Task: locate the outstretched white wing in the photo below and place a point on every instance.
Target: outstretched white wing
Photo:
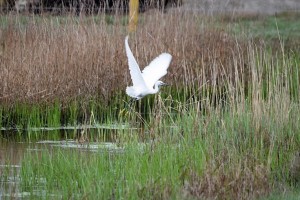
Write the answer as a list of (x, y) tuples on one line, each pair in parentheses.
[(156, 69), (135, 72)]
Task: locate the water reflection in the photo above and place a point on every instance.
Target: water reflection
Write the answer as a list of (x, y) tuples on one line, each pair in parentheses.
[(11, 152)]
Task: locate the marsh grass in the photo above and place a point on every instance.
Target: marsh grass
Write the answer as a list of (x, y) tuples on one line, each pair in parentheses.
[(224, 154), (74, 66), (49, 60), (236, 147), (226, 128)]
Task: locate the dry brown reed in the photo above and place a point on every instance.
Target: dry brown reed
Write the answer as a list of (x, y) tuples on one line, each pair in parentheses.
[(238, 182), (47, 59)]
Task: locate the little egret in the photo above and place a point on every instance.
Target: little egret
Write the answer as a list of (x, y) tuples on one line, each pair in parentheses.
[(146, 82)]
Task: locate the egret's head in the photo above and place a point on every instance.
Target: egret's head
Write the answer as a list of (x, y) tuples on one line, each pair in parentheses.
[(160, 83), (157, 86)]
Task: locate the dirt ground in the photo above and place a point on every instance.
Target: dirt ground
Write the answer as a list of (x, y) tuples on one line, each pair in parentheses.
[(245, 6)]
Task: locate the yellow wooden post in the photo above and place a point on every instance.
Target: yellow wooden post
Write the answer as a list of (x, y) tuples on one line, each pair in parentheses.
[(133, 15)]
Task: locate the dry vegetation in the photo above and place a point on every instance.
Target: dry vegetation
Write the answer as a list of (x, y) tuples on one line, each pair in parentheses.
[(63, 59)]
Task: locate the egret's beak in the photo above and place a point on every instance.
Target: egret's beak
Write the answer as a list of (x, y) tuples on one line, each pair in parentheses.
[(165, 84)]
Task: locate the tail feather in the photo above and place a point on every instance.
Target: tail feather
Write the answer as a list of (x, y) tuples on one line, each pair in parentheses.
[(130, 91)]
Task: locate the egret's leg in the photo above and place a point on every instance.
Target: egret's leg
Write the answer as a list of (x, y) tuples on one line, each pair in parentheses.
[(131, 101)]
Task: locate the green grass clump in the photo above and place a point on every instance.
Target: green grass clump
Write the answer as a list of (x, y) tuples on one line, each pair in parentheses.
[(139, 172)]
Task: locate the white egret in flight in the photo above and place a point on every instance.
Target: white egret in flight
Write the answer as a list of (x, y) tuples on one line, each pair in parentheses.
[(147, 81)]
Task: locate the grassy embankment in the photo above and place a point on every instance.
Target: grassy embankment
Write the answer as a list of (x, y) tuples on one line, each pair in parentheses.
[(228, 126)]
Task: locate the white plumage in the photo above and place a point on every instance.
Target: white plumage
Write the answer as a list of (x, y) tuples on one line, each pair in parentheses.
[(146, 82)]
